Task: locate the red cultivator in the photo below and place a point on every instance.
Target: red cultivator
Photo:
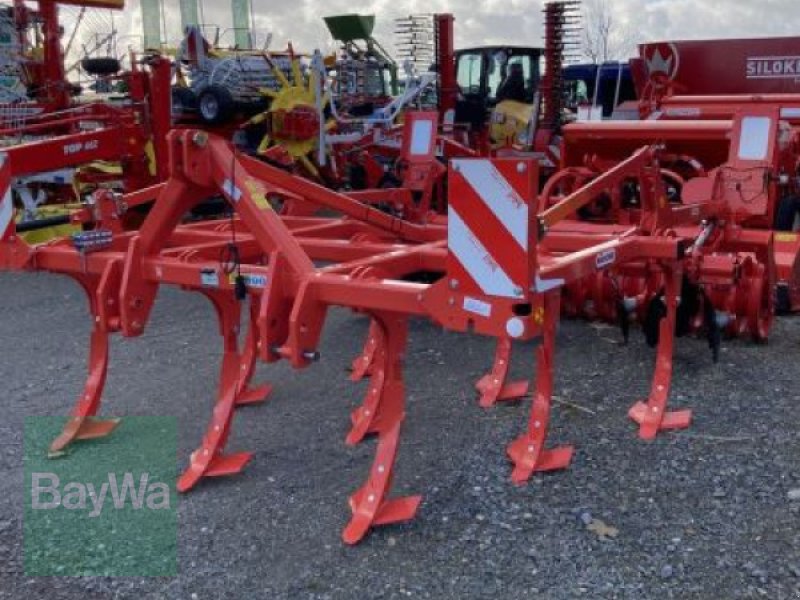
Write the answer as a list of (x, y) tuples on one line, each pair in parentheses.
[(498, 267)]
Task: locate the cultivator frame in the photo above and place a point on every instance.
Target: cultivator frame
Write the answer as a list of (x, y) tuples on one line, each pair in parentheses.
[(373, 266)]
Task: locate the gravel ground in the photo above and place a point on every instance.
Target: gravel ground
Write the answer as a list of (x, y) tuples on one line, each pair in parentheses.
[(705, 513)]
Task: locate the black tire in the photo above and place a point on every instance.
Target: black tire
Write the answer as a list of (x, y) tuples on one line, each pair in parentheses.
[(184, 102), (215, 105), (102, 66), (788, 210)]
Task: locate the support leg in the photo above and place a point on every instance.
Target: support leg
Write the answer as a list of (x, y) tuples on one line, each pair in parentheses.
[(493, 387), (370, 503), (528, 452), (208, 460), (652, 416)]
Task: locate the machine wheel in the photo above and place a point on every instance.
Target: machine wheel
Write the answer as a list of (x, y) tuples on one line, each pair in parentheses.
[(101, 66), (215, 104), (184, 101), (787, 213)]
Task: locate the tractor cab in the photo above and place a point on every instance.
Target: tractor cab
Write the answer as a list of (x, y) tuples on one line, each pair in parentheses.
[(490, 75), (602, 88)]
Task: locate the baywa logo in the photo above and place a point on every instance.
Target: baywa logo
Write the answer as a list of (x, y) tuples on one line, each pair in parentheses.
[(84, 496), (107, 507)]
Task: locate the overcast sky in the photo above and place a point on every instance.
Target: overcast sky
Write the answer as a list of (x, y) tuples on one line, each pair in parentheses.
[(492, 21)]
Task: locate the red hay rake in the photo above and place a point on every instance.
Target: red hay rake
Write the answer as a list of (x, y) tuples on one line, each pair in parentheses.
[(498, 268)]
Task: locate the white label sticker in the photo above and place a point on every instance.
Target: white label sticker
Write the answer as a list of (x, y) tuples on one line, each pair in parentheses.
[(250, 280), (230, 190), (606, 258), (478, 307), (209, 278)]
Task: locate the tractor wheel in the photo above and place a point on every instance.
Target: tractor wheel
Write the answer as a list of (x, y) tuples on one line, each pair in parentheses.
[(101, 66), (215, 104), (787, 213), (184, 102)]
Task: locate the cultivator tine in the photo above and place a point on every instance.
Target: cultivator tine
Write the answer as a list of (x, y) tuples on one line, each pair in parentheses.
[(362, 365), (82, 424), (364, 417), (493, 386), (528, 452), (245, 393), (369, 504), (208, 460), (653, 416)]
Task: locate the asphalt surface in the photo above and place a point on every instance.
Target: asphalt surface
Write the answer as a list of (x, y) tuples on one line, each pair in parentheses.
[(706, 513)]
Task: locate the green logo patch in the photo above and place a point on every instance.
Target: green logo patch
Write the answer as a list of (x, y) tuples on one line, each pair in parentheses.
[(106, 507)]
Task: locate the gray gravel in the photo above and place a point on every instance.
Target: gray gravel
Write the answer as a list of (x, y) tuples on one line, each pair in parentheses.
[(709, 513)]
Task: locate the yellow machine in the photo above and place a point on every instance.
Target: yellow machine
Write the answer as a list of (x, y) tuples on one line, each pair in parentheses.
[(292, 119)]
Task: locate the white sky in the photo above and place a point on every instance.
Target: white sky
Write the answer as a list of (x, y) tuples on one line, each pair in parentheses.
[(493, 21)]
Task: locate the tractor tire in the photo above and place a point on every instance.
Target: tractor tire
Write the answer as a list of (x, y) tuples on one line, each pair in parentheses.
[(184, 102), (787, 213), (101, 67), (215, 104)]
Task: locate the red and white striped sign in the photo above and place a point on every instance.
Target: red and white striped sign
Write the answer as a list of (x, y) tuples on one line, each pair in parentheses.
[(489, 231), (6, 200)]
